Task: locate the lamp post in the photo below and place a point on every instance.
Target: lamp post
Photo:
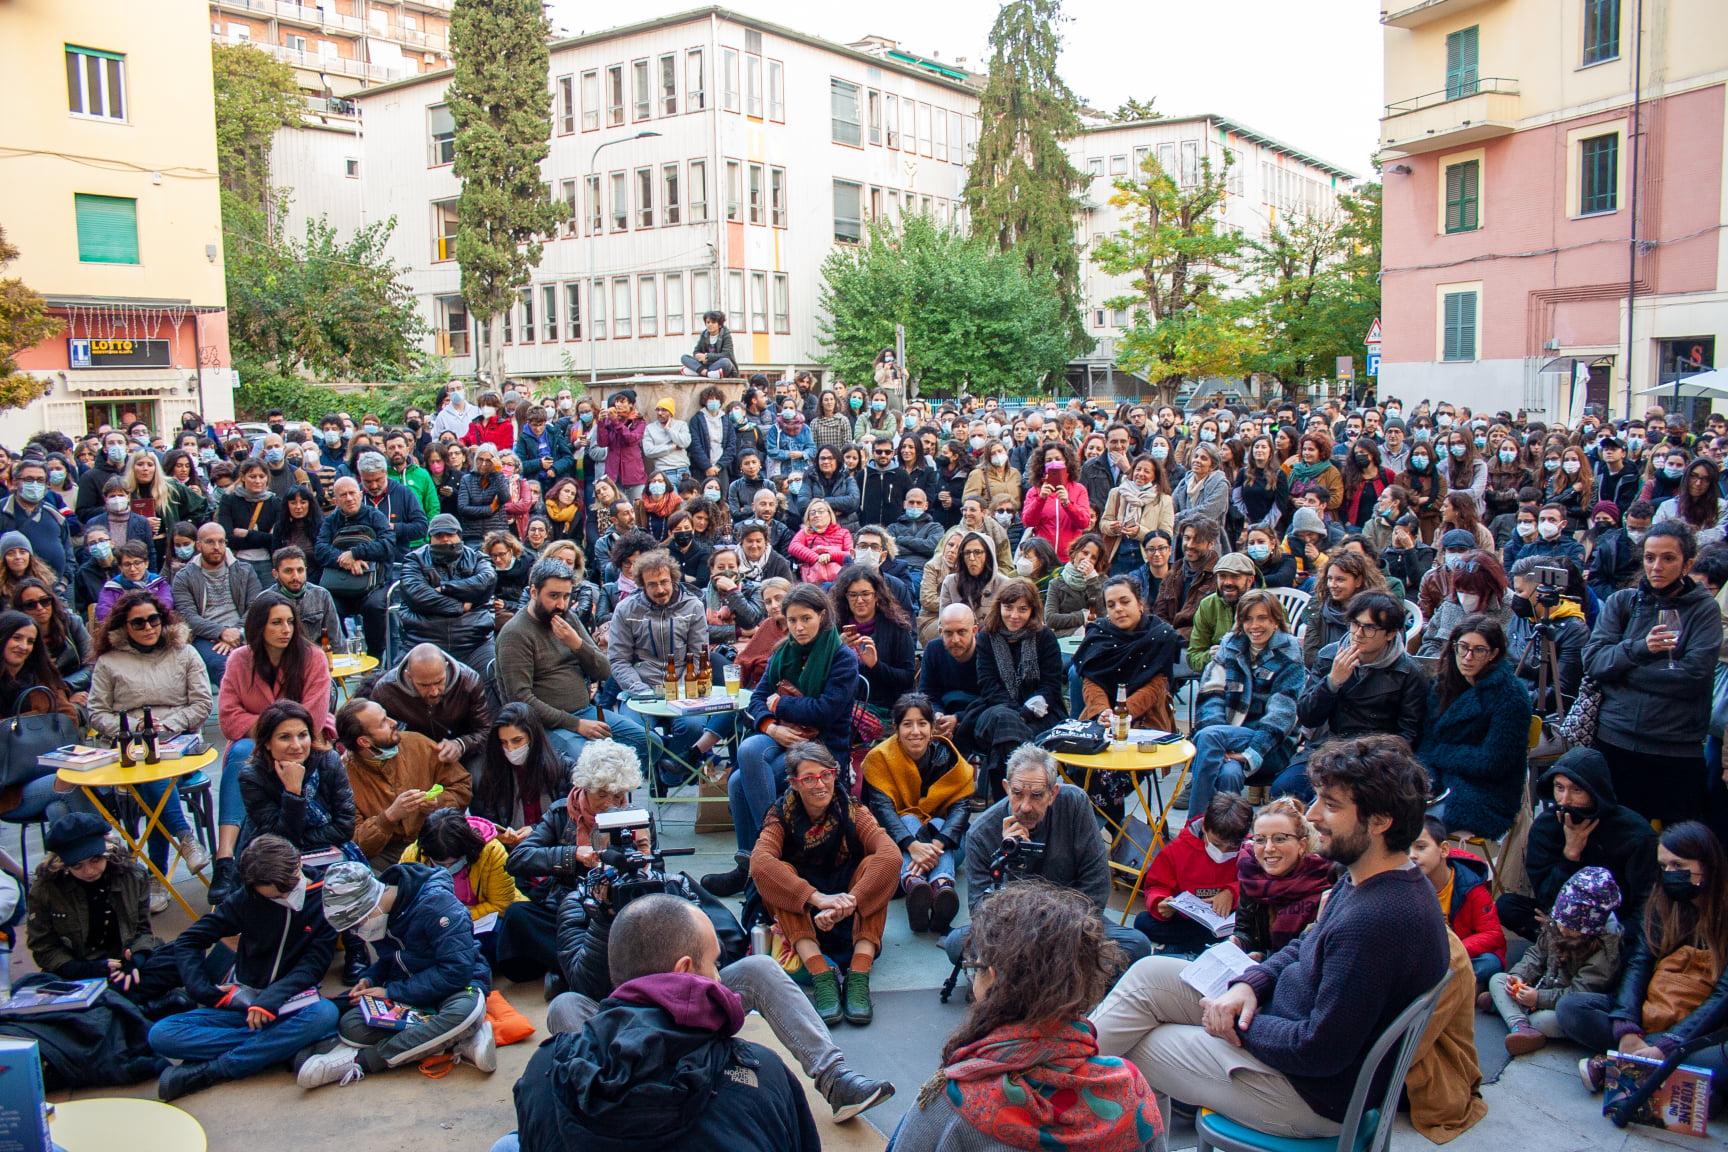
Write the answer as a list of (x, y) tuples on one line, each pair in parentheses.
[(593, 371)]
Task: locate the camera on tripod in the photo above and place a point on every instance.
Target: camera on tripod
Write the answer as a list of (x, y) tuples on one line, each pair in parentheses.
[(1552, 582), (626, 871)]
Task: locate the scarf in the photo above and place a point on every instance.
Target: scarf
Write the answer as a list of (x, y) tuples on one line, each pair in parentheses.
[(1110, 656), (1015, 676), (1307, 472), (824, 848), (563, 513), (1195, 483), (662, 505), (1045, 1089), (805, 665), (752, 569), (249, 496), (1293, 899), (897, 776)]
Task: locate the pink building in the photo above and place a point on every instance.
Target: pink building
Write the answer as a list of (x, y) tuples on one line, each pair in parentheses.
[(1508, 147)]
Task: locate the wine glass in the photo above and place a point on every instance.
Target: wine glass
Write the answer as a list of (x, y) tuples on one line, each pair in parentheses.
[(1669, 618)]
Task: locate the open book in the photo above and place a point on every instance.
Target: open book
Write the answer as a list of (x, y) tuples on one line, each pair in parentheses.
[(1214, 970), (1200, 911)]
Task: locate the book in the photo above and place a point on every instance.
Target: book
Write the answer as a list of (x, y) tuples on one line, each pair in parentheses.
[(703, 705), (186, 744), (1214, 970), (295, 1003), (379, 1012), (52, 996), (23, 1104), (486, 923), (80, 757), (1682, 1104), (1200, 911), (322, 858)]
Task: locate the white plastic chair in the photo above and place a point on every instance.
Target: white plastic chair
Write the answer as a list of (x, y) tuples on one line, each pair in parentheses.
[(1294, 600)]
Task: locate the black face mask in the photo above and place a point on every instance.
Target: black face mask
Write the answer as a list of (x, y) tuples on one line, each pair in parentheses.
[(445, 553), (1677, 885), (683, 539), (1523, 608), (1577, 815)]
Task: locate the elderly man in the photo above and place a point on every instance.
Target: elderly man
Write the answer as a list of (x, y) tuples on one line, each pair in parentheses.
[(664, 618), (283, 475), (447, 595), (1236, 573), (949, 677), (320, 623), (1040, 808), (211, 596), (548, 661), (355, 547), (443, 700), (393, 772), (390, 499), (26, 510), (398, 449)]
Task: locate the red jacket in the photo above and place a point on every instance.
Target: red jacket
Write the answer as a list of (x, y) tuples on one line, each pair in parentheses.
[(1184, 866), (1055, 521), (1472, 915), (500, 432)]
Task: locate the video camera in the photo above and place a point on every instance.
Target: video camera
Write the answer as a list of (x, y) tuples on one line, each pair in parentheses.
[(1018, 853), (1552, 582), (626, 871)]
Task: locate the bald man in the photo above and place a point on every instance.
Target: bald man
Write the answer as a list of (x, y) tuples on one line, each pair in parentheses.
[(211, 596), (949, 676), (444, 700)]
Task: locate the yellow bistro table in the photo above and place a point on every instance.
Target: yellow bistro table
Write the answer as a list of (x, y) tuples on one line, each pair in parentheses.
[(1145, 770), (345, 668), (114, 776), (107, 1124), (656, 710)]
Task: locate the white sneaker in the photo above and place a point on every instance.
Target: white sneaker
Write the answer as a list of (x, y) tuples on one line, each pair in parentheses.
[(340, 1065), (714, 374), (158, 897), (192, 852), (689, 372), (477, 1048)]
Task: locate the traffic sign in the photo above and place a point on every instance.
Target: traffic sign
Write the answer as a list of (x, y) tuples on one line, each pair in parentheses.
[(1374, 361), (1373, 336)]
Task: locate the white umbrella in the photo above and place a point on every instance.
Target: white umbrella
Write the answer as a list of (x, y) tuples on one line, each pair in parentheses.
[(1713, 383)]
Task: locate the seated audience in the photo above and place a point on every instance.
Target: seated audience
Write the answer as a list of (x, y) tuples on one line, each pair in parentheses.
[(1462, 880), (1475, 742), (662, 619), (1235, 574), (519, 774), (64, 638), (821, 547), (1020, 680), (1477, 586), (753, 657), (474, 857), (874, 624), (919, 788), (1578, 950), (396, 777), (1566, 629), (1128, 649), (1280, 880), (974, 579), (1192, 579), (320, 623), (948, 678), (440, 698), (1200, 861), (1076, 590), (211, 596), (447, 592), (134, 573), (295, 786), (1326, 619), (731, 602), (1245, 723)]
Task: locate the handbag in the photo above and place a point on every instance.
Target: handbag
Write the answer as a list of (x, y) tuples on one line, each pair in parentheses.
[(337, 580), (1579, 727), (1681, 982), (25, 739), (1076, 738)]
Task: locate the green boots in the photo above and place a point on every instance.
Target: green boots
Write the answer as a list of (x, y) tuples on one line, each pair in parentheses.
[(826, 990)]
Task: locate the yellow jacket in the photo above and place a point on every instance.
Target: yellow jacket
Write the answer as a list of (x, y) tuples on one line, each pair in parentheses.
[(493, 889)]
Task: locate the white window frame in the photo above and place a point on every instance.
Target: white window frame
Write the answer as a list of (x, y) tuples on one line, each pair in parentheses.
[(695, 81), (621, 292), (549, 312), (672, 301), (698, 192), (758, 301), (614, 95), (597, 308), (778, 213), (669, 199), (891, 120), (669, 84), (757, 195), (591, 100), (572, 223), (735, 191), (573, 310), (777, 91), (645, 197), (733, 99), (647, 305), (735, 294), (701, 292), (838, 91), (782, 304), (620, 201), (753, 86), (641, 91), (566, 105)]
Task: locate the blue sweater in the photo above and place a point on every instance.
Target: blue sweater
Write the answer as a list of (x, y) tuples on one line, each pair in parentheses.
[(830, 713), (1478, 748)]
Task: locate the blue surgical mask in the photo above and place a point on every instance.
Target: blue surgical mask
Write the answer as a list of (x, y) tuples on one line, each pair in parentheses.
[(1457, 449), (1420, 434), (208, 455), (794, 486), (33, 491), (1554, 466), (857, 402), (1208, 435), (371, 429), (1481, 442), (383, 754), (657, 488), (713, 407), (878, 405), (333, 437), (102, 550), (56, 476), (1672, 472), (914, 513), (1419, 461), (1259, 553), (1508, 455), (184, 551), (1159, 453), (587, 417), (116, 453), (274, 456), (737, 415)]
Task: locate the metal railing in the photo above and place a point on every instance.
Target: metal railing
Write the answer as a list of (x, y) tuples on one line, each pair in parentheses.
[(301, 13), (315, 62), (1494, 84), (333, 106)]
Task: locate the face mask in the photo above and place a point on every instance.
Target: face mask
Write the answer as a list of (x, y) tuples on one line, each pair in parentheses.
[(657, 488), (683, 539), (1363, 462), (372, 930), (102, 550), (116, 453), (1004, 518), (1633, 443), (57, 476), (711, 493), (1672, 472), (713, 407), (857, 402), (1218, 855), (1025, 565), (1637, 535), (1677, 885), (184, 551), (1455, 560), (999, 459), (333, 438), (878, 405), (914, 513), (1418, 461), (296, 899), (1394, 413), (486, 413), (1443, 420), (868, 557), (992, 430), (1208, 435), (1508, 455), (1570, 467), (1602, 526), (587, 417), (274, 456), (794, 486), (117, 504), (1159, 453), (1526, 529), (737, 415), (519, 754), (445, 553), (1469, 601), (33, 491), (1457, 450), (1420, 434), (1547, 529), (1481, 442), (1551, 465), (383, 754), (977, 443)]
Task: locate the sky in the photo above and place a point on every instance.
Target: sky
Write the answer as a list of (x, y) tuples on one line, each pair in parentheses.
[(1307, 72)]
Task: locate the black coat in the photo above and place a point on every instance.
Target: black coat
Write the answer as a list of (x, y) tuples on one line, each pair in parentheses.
[(1392, 700), (896, 656), (270, 808), (433, 595), (704, 455), (882, 495), (281, 952), (1052, 685), (1622, 842)]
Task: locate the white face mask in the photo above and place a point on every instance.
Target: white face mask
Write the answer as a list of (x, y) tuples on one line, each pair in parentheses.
[(519, 754), (998, 459), (1469, 601), (868, 557), (1217, 854), (1548, 529), (118, 504), (1025, 565), (488, 412), (296, 899), (372, 929), (1526, 529)]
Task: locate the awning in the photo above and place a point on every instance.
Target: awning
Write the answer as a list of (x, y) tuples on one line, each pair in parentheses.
[(1568, 365), (1712, 384)]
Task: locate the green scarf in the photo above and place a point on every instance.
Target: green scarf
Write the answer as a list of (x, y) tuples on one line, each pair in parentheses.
[(1302, 471), (805, 665)]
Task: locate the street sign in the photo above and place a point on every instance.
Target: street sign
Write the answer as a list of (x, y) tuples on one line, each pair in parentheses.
[(1374, 361), (117, 353), (1346, 368), (1373, 336)]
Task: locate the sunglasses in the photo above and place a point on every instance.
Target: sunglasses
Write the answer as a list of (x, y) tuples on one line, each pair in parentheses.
[(32, 605), (154, 620)]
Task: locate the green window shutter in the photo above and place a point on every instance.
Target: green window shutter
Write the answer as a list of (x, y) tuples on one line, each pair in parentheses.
[(1461, 197), (1461, 71), (107, 229), (1459, 320)]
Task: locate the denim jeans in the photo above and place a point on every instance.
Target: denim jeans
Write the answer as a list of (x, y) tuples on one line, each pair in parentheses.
[(944, 864), (220, 1037), (1213, 770), (714, 363), (764, 988), (754, 786), (625, 730), (41, 802), (230, 809), (214, 662)]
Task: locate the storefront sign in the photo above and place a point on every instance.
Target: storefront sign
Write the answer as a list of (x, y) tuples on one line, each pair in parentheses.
[(120, 352)]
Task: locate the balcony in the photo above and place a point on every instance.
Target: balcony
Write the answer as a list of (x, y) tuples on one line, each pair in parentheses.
[(333, 106), (1450, 118), (1414, 15), (432, 5), (302, 14), (314, 62)]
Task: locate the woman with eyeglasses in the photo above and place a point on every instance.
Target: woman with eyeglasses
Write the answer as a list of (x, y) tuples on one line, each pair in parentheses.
[(873, 623), (63, 635), (1476, 739), (1282, 880), (1698, 503), (145, 659), (826, 871)]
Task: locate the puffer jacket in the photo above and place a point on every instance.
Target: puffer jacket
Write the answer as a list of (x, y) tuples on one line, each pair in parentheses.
[(1065, 604), (806, 547), (480, 505), (433, 595), (1645, 705), (916, 537), (270, 808), (173, 683), (428, 952), (57, 924), (840, 491), (1234, 689), (643, 635)]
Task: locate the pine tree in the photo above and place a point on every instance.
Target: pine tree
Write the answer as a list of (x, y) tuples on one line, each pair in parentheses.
[(502, 108), (1023, 191)]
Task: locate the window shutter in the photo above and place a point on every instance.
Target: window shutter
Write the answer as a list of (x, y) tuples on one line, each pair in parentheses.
[(1467, 195), (1449, 349), (1461, 63), (1466, 325), (1454, 193), (107, 229)]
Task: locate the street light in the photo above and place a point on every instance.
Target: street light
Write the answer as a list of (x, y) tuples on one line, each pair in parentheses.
[(593, 371)]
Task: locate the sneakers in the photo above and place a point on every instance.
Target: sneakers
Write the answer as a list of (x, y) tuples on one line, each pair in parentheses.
[(340, 1065), (192, 852), (224, 881), (1484, 1002), (1523, 1040), (1593, 1070), (713, 373), (944, 908), (826, 989), (918, 900), (729, 883), (859, 1009), (848, 1094), (688, 372), (179, 1080), (158, 897), (478, 1048)]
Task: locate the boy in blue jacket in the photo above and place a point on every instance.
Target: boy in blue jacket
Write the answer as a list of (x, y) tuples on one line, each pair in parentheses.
[(424, 957)]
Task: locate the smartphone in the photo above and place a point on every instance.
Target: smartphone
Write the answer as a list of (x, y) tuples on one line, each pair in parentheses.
[(59, 988)]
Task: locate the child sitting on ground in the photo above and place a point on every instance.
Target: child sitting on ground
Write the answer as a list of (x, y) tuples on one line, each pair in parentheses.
[(1201, 860), (1578, 950), (1462, 883)]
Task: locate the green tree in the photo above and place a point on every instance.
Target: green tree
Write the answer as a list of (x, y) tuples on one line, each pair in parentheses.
[(970, 311), (255, 95), (502, 107), (24, 323), (1131, 110), (1178, 254), (1023, 191), (322, 305)]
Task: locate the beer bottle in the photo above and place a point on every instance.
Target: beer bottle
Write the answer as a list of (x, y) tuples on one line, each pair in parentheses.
[(671, 677), (689, 676), (147, 734), (1121, 713), (704, 674), (124, 743)]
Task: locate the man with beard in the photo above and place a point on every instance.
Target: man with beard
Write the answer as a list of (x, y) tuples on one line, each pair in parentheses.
[(1280, 1050), (393, 772), (1236, 574)]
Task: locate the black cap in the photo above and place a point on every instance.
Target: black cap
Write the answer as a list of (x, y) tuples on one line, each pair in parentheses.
[(76, 837)]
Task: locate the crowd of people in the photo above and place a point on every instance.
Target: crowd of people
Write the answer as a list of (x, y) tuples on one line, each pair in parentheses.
[(1383, 620)]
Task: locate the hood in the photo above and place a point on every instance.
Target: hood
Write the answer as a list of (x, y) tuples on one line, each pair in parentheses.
[(120, 641), (410, 880), (644, 1069), (1468, 873), (1586, 768)]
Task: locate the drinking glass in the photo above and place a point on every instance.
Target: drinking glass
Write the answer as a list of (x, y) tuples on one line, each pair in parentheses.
[(1669, 618), (734, 679)]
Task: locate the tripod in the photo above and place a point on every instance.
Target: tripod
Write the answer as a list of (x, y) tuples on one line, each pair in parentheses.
[(1002, 868), (1547, 667)]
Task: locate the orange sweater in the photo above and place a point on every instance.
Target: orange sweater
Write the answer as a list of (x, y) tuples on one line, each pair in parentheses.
[(376, 785), (872, 884)]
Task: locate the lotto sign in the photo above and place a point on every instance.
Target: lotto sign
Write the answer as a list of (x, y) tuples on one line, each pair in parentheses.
[(122, 352)]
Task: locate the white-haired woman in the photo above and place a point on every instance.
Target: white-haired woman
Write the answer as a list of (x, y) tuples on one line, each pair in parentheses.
[(481, 498), (557, 854)]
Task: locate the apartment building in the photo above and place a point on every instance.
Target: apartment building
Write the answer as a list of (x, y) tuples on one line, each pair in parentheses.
[(1268, 182), (1553, 200), (338, 47), (108, 187), (709, 161)]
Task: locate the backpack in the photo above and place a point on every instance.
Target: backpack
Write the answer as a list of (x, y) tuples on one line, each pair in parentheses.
[(337, 579)]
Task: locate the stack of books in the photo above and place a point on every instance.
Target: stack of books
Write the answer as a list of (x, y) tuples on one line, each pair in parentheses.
[(702, 705), (80, 757), (52, 996)]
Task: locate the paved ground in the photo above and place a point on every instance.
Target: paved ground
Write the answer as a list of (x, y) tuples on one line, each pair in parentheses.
[(1538, 1105)]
